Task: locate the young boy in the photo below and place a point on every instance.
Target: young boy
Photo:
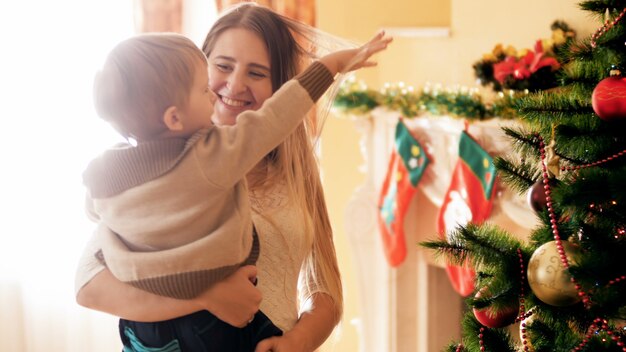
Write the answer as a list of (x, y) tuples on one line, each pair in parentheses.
[(173, 211)]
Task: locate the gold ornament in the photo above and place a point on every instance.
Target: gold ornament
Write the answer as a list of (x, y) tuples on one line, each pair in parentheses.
[(552, 160), (547, 277)]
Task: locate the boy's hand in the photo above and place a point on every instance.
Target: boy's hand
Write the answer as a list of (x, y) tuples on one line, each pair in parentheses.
[(234, 300), (354, 59)]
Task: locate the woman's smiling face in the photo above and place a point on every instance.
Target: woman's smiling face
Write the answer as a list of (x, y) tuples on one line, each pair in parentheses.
[(239, 73)]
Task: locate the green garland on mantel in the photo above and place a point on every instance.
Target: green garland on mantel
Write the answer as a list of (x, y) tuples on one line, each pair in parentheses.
[(355, 98)]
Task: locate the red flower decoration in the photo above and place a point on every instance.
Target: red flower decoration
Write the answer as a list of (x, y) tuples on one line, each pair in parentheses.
[(525, 66)]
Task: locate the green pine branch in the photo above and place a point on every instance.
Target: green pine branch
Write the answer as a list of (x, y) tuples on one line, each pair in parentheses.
[(588, 206), (518, 177), (563, 105), (599, 7), (523, 141)]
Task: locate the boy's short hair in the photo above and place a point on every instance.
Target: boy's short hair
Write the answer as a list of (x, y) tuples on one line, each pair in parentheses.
[(143, 76)]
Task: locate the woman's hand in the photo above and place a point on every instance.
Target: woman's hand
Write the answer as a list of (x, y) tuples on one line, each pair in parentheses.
[(310, 332), (354, 59), (289, 342), (234, 300)]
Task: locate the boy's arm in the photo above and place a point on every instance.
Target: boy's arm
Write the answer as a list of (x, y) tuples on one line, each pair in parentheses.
[(228, 153), (232, 151)]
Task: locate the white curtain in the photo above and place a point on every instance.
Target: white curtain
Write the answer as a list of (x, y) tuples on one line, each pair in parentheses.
[(48, 132)]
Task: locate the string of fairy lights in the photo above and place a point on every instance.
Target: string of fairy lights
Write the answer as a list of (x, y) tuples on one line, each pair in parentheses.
[(356, 98)]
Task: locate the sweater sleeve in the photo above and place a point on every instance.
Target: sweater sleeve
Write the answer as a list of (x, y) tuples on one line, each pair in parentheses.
[(228, 153), (88, 264), (316, 79)]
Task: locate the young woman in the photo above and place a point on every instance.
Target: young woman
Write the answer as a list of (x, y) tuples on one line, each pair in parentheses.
[(252, 52)]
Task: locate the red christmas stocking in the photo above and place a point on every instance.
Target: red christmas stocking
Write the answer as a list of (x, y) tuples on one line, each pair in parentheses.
[(406, 167), (468, 199)]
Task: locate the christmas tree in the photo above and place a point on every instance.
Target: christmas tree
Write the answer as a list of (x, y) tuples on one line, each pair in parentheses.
[(565, 286)]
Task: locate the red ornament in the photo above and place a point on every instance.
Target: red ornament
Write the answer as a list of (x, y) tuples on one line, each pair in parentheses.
[(537, 197), (609, 97), (492, 319)]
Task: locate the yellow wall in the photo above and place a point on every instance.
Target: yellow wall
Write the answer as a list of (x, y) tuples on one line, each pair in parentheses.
[(358, 20), (475, 27)]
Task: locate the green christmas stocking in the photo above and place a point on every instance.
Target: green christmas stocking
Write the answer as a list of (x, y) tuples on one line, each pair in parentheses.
[(406, 167), (468, 199)]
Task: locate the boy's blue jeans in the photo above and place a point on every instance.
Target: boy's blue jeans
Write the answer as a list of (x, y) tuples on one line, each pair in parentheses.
[(196, 332)]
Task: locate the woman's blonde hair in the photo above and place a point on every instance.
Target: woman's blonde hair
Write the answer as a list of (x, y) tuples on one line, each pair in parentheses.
[(143, 76), (293, 162)]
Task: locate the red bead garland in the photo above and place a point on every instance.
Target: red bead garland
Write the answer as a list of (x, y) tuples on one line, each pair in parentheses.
[(617, 280), (555, 230), (607, 25), (522, 307), (594, 329), (481, 342), (595, 163), (585, 298)]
